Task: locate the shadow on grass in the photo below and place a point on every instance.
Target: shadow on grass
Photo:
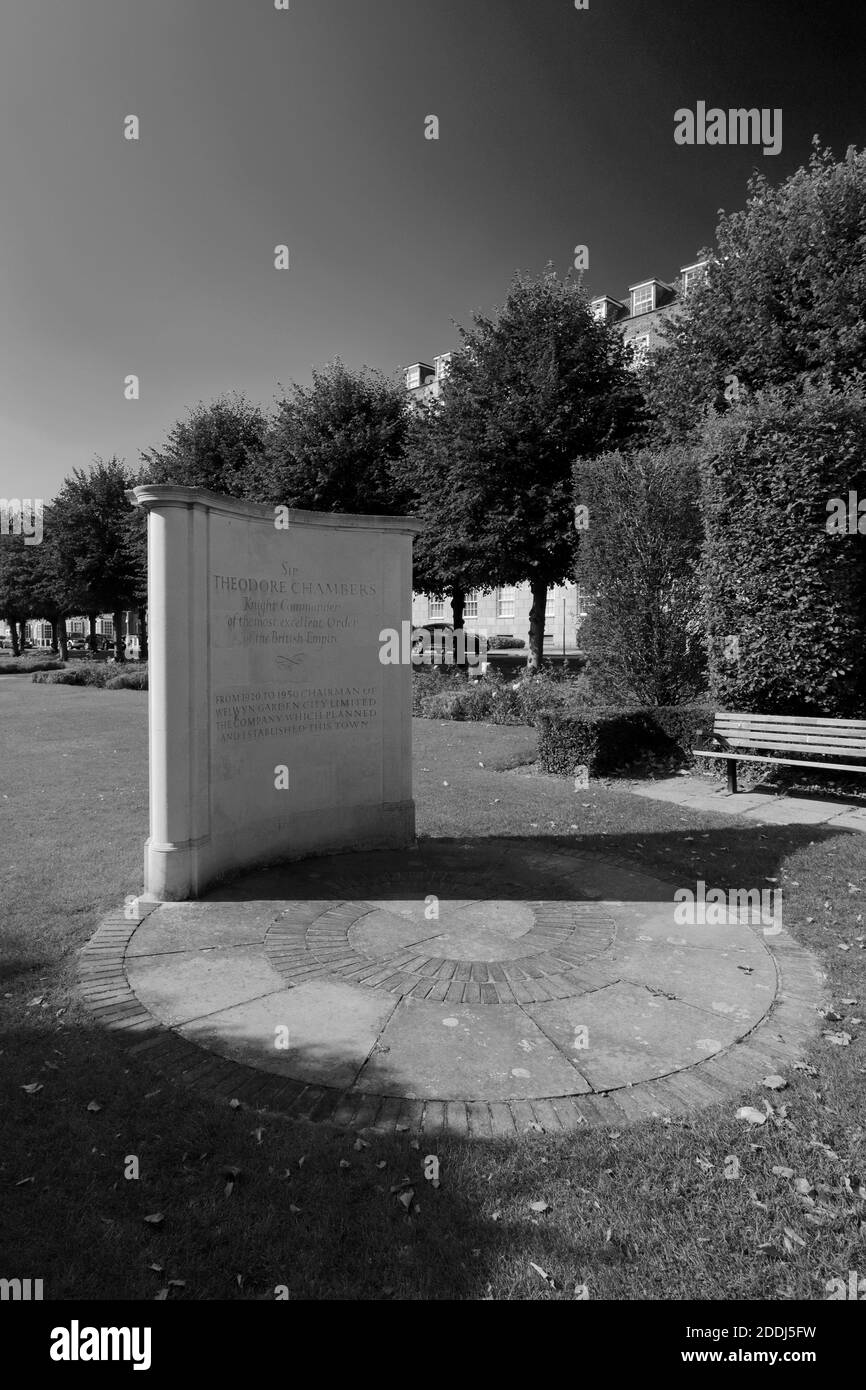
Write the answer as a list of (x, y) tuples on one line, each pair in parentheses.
[(632, 1215), (542, 866)]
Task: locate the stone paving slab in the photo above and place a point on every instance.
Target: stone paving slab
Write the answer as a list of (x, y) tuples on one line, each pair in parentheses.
[(465, 1024), (469, 1053), (184, 985), (332, 1029), (200, 925), (773, 808), (743, 990), (633, 1035)]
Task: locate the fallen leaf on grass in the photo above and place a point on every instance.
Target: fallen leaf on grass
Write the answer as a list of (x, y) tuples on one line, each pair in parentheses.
[(581, 1292), (22, 1182), (790, 1239), (32, 1087), (754, 1117), (775, 1082), (406, 1198), (543, 1274), (539, 1206), (156, 1218), (784, 1172), (344, 1163), (838, 1039), (94, 1107)]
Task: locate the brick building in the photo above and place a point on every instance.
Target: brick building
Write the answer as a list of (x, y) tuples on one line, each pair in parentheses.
[(638, 316)]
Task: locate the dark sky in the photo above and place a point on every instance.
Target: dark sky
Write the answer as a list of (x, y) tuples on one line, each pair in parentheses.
[(307, 127)]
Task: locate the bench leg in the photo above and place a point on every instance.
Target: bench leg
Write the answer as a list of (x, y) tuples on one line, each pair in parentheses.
[(732, 776)]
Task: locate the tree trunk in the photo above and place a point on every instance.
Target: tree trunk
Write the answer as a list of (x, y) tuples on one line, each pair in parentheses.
[(119, 638), (91, 637), (64, 647), (22, 635), (55, 630), (13, 633), (536, 624), (458, 603), (142, 632)]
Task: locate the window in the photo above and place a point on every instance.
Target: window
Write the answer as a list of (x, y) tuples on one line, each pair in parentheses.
[(505, 602), (470, 608), (435, 609), (693, 276), (550, 610), (413, 378), (599, 308), (441, 365), (581, 601), (643, 299)]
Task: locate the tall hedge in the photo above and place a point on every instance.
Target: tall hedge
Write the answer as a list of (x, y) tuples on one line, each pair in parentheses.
[(785, 598)]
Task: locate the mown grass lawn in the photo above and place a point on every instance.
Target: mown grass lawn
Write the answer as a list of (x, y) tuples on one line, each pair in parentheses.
[(645, 1213)]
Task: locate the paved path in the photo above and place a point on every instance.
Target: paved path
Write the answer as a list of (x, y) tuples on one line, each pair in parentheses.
[(480, 991), (770, 808)]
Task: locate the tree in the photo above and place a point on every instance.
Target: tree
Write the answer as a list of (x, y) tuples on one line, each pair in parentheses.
[(99, 544), (639, 559), (217, 447), (49, 595), (335, 446), (531, 390), (784, 298), (443, 566), (17, 565)]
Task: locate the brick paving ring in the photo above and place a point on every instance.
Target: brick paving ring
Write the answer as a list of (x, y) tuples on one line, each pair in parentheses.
[(437, 991)]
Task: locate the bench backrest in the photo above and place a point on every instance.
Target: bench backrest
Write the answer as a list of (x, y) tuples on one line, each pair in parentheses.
[(790, 733)]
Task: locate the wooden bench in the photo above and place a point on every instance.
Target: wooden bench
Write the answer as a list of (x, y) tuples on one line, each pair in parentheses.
[(833, 739)]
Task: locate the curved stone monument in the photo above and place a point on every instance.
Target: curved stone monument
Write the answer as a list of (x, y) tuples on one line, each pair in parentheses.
[(275, 730)]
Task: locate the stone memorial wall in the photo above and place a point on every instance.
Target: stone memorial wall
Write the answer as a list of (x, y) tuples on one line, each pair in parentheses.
[(275, 729)]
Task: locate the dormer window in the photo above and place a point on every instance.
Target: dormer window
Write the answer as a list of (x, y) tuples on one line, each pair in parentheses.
[(605, 309), (693, 276), (417, 375), (643, 297), (441, 365)]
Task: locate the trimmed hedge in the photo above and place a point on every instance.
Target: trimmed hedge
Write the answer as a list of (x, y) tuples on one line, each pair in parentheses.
[(99, 675), (777, 576), (613, 737), (24, 665), (499, 642)]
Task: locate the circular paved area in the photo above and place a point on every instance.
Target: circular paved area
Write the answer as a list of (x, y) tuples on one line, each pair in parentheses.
[(454, 989)]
